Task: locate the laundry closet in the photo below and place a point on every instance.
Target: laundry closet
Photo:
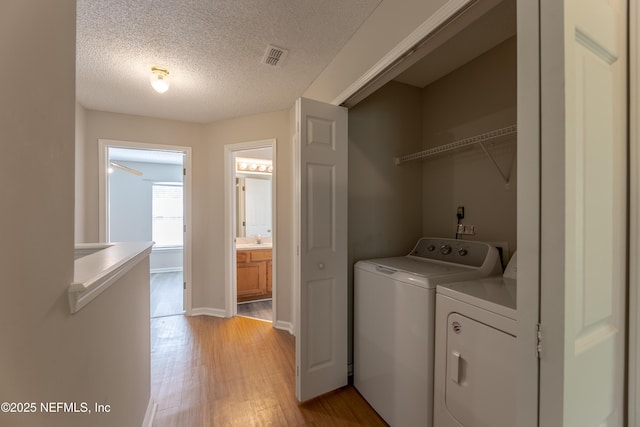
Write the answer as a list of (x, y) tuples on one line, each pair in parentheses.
[(460, 92), (433, 153)]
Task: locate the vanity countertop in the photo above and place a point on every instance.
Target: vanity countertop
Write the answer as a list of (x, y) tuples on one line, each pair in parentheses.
[(252, 246)]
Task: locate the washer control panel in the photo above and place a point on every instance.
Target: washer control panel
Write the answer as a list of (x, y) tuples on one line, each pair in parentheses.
[(452, 250)]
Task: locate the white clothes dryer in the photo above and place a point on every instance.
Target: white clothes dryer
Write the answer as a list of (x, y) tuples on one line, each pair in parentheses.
[(475, 354), (394, 318)]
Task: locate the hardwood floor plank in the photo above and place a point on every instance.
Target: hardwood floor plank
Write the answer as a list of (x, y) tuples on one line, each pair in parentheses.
[(166, 294), (238, 372)]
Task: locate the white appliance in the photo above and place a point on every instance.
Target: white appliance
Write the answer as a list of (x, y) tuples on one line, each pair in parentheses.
[(475, 361), (394, 318)]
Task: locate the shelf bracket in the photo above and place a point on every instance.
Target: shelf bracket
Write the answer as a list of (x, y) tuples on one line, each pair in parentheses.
[(505, 178)]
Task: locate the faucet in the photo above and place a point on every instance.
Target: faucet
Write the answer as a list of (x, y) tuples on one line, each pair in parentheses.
[(258, 239)]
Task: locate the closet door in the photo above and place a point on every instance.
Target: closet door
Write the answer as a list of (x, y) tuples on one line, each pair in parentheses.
[(321, 234), (583, 211)]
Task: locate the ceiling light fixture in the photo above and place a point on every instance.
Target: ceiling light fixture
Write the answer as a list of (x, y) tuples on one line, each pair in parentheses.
[(159, 79), (254, 166)]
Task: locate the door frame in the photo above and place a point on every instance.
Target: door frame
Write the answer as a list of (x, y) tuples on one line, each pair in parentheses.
[(103, 202), (528, 210), (231, 291), (634, 215)]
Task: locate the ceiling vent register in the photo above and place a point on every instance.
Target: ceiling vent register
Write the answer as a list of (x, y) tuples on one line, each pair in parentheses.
[(274, 56)]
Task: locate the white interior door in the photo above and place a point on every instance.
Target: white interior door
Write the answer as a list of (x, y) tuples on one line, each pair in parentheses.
[(584, 208), (321, 272)]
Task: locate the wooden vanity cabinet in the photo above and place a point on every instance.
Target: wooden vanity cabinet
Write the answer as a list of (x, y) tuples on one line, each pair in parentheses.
[(253, 274)]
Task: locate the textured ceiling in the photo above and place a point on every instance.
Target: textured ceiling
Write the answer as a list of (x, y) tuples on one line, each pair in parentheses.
[(213, 50)]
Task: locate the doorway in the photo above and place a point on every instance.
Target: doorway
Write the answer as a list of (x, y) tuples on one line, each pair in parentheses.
[(144, 193), (250, 229)]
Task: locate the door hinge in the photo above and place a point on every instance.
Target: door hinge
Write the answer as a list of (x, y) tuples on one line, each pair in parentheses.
[(538, 340), (184, 171), (184, 228), (184, 286)]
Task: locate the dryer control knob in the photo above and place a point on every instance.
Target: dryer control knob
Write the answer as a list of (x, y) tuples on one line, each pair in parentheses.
[(445, 249), (462, 252)]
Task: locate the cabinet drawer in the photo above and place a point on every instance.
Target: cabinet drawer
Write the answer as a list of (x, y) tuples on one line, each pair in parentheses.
[(261, 255), (242, 256)]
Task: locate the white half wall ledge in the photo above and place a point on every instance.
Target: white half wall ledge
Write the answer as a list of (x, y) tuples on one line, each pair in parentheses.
[(103, 266)]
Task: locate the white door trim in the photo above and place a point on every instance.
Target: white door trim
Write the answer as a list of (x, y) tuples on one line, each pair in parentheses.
[(231, 297), (634, 214), (103, 146), (528, 210)]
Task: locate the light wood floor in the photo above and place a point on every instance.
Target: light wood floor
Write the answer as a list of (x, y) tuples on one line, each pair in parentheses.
[(166, 294), (208, 371)]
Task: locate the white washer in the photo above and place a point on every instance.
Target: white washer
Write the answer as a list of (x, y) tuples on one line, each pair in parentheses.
[(394, 318), (475, 360)]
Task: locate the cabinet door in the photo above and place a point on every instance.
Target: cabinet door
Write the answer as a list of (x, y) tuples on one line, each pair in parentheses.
[(251, 279), (269, 277)]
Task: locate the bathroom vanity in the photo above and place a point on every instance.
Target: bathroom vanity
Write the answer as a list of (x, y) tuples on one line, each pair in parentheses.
[(253, 272)]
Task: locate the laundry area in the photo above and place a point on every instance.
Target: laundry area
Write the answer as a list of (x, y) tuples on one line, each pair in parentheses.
[(433, 178)]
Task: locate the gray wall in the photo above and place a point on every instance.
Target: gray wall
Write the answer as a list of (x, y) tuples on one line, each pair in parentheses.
[(476, 98), (102, 353), (385, 211)]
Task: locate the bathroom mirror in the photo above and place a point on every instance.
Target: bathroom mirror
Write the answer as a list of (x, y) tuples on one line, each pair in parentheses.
[(253, 196)]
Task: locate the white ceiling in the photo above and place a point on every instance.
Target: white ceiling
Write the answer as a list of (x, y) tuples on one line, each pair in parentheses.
[(213, 50)]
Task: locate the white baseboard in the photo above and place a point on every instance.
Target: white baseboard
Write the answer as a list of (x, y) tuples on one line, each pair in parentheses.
[(152, 407), (206, 311), (166, 269), (285, 326), (217, 312)]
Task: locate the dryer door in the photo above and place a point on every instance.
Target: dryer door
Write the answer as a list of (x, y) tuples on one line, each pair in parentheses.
[(480, 385)]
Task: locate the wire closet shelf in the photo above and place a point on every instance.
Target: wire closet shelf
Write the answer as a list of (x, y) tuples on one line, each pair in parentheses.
[(477, 139)]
